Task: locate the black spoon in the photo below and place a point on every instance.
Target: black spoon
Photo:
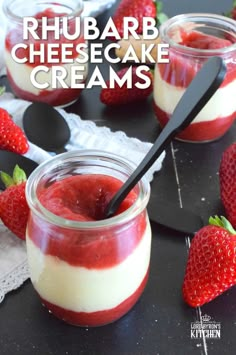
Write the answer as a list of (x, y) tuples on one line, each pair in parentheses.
[(8, 161), (45, 127), (201, 89), (170, 216)]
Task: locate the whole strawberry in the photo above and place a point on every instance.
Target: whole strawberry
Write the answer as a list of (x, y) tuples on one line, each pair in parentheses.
[(123, 95), (211, 266), (14, 209), (134, 8), (232, 12), (227, 175), (12, 137)]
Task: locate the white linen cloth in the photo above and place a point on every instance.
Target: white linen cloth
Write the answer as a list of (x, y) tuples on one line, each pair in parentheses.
[(84, 135)]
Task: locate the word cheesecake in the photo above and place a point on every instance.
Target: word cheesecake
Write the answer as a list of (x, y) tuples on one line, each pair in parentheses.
[(55, 51)]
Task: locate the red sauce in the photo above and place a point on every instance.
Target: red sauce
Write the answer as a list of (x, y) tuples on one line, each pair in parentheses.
[(15, 36), (84, 198), (100, 317), (181, 69), (199, 131), (200, 40), (55, 97), (49, 13)]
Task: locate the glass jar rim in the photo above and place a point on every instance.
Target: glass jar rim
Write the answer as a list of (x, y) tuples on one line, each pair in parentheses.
[(194, 17), (38, 209), (19, 19)]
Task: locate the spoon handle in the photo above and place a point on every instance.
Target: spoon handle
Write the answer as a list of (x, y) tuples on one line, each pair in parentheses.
[(60, 150), (198, 93)]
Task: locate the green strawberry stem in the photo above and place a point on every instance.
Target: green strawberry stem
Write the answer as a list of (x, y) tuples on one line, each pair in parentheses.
[(2, 90), (17, 178), (223, 223), (229, 13), (161, 16), (159, 6)]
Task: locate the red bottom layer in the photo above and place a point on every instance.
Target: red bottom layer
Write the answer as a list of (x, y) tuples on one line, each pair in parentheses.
[(200, 131), (99, 318), (56, 97)]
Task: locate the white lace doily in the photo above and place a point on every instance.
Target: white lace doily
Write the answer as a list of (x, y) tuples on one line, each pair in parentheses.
[(13, 262), (84, 135)]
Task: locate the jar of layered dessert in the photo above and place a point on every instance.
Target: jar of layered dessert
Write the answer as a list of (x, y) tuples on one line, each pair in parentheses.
[(87, 270), (45, 50), (192, 39)]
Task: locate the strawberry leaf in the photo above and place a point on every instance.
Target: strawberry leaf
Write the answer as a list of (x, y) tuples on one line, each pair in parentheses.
[(223, 223), (2, 90), (161, 16), (19, 175), (6, 179), (159, 6), (230, 12)]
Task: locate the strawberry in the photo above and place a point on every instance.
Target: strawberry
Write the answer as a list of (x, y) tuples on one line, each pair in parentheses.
[(134, 8), (123, 95), (12, 137), (14, 209), (232, 12), (211, 266), (227, 176)]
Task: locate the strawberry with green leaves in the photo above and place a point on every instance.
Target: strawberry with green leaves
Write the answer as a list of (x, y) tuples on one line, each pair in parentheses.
[(232, 12), (123, 95), (12, 137), (227, 175), (133, 8), (211, 265), (14, 209), (138, 9)]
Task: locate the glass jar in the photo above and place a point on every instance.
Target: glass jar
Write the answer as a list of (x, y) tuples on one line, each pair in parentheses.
[(192, 39), (88, 271), (44, 66)]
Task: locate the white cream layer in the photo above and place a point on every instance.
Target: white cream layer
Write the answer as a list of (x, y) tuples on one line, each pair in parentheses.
[(222, 103), (21, 75), (84, 290)]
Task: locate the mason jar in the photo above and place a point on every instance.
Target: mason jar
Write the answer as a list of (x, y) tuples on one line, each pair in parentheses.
[(192, 39), (87, 270), (42, 64)]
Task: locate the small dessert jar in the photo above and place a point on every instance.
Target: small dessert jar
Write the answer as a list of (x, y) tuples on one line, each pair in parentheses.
[(45, 64), (87, 270), (192, 39)]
